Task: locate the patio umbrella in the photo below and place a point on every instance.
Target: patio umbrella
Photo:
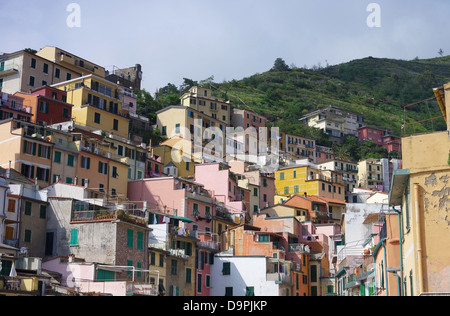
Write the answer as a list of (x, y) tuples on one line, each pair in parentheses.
[(13, 272)]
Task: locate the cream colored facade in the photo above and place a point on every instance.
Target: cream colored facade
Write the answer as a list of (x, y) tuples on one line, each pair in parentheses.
[(96, 105), (335, 121), (24, 71), (180, 121), (421, 188), (370, 173), (70, 61), (201, 99), (348, 169)]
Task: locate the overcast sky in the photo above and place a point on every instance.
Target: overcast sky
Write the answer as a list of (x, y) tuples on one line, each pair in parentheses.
[(227, 39)]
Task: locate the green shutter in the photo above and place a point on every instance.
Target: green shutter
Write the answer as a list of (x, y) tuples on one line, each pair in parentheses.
[(250, 291), (74, 237), (226, 270), (140, 241), (27, 235), (28, 208), (139, 273), (57, 156), (70, 159), (103, 275), (129, 264), (130, 234), (43, 211), (188, 275)]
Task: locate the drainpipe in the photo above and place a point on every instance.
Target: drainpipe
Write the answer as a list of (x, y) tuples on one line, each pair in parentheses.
[(400, 237), (386, 266), (374, 252), (418, 237)]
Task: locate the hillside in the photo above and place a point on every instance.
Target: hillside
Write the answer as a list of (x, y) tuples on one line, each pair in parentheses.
[(376, 87)]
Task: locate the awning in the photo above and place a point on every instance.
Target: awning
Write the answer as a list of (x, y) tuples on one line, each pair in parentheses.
[(183, 219), (400, 180)]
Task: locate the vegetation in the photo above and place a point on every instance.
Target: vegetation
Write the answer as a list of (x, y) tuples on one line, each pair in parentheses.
[(377, 87)]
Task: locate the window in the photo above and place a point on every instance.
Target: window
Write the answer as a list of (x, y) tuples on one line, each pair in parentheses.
[(228, 291), (57, 73), (152, 258), (282, 176), (226, 269), (188, 275), (196, 213), (286, 190), (45, 70), (27, 236), (102, 167), (29, 148), (114, 172), (65, 113), (130, 235), (313, 273), (70, 160), (44, 151), (33, 63), (97, 118), (43, 107), (129, 271), (115, 125), (173, 267), (295, 174), (74, 237), (31, 81), (68, 77), (140, 241), (43, 211), (85, 162), (177, 128), (57, 158), (250, 291), (28, 208), (296, 189), (199, 283)]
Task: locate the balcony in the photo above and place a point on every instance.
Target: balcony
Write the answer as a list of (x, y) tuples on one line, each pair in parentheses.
[(135, 217), (9, 71)]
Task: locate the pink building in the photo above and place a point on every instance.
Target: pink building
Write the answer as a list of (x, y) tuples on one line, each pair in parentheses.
[(189, 201), (175, 197), (223, 185), (266, 182), (381, 138)]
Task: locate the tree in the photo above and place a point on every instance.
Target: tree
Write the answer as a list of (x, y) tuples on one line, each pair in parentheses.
[(280, 65), (441, 52), (187, 84)]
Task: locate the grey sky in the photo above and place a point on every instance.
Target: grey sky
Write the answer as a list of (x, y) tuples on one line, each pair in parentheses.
[(229, 39)]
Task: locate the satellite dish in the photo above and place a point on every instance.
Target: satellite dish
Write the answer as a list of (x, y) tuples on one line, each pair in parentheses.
[(24, 250)]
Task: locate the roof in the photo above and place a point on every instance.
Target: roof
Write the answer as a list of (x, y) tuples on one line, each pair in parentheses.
[(399, 182), (316, 198)]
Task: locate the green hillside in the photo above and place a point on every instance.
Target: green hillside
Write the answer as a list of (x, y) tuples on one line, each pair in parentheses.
[(376, 87)]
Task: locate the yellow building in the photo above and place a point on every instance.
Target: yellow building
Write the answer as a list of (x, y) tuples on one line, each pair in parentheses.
[(96, 105), (26, 149), (301, 179), (70, 61), (298, 147), (281, 210), (421, 189), (176, 161), (201, 99)]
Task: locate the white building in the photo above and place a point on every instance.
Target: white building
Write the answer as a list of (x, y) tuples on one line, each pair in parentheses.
[(250, 276)]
